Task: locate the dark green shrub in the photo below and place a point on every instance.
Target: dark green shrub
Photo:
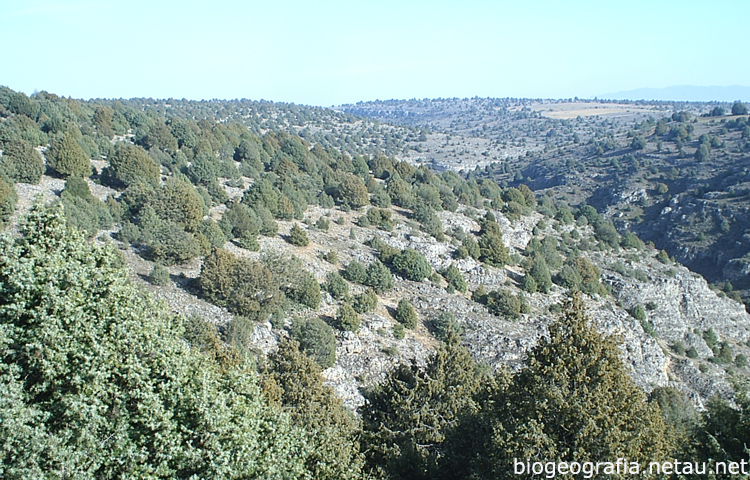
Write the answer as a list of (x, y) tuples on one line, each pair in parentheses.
[(159, 275), (540, 272), (244, 286), (412, 265), (88, 215), (365, 301), (504, 304), (130, 164), (239, 333), (398, 331), (66, 157), (678, 347), (638, 313), (21, 162), (347, 318), (8, 199), (331, 257), (493, 250), (178, 202), (298, 237), (170, 244), (306, 290), (741, 361), (356, 272), (248, 241), (323, 224), (528, 284), (454, 278), (336, 286), (444, 324), (405, 314), (692, 352), (213, 232), (378, 277), (317, 340)]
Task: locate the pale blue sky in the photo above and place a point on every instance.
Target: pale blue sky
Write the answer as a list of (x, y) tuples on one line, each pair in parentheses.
[(333, 52)]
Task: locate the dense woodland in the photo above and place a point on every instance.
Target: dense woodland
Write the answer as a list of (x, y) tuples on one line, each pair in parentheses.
[(102, 381)]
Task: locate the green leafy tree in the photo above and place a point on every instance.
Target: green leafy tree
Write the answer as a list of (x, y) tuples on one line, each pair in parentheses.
[(405, 314), (378, 277), (180, 203), (493, 250), (739, 108), (454, 278), (365, 301), (356, 272), (540, 272), (407, 418), (336, 285), (353, 192), (66, 157), (244, 286)]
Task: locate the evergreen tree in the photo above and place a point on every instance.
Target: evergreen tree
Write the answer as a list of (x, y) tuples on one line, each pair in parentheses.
[(8, 199), (130, 164), (406, 418), (21, 163), (294, 382), (118, 393), (298, 237), (405, 314), (573, 401), (66, 157)]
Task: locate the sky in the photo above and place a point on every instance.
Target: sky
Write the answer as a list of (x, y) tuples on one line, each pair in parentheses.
[(334, 52)]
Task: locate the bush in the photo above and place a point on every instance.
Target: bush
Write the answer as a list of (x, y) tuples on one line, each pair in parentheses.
[(21, 162), (331, 257), (213, 233), (86, 215), (504, 304), (638, 313), (492, 250), (306, 291), (179, 202), (445, 324), (66, 157), (244, 286), (741, 361), (678, 347), (317, 340), (366, 301), (336, 286), (379, 277), (347, 318), (405, 314), (130, 164), (170, 244), (248, 241), (298, 237), (528, 284), (356, 272), (8, 199), (692, 352), (454, 278), (412, 265), (540, 272), (239, 333), (398, 331)]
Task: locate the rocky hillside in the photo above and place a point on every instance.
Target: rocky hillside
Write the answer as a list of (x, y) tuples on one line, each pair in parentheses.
[(323, 232)]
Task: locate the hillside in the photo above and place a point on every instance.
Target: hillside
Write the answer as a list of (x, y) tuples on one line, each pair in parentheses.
[(275, 222)]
